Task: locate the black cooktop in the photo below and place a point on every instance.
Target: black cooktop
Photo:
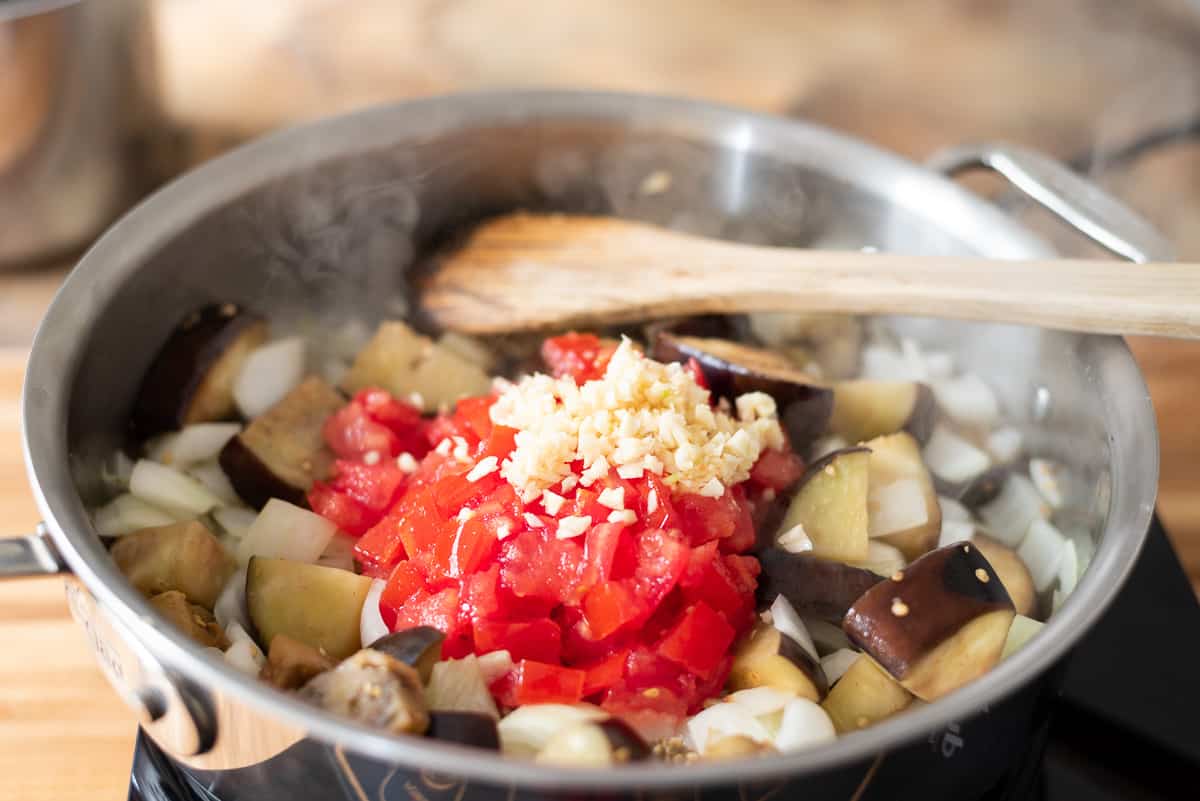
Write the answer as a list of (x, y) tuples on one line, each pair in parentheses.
[(1125, 727)]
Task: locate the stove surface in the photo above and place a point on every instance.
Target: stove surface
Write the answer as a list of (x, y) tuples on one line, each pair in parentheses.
[(1126, 726)]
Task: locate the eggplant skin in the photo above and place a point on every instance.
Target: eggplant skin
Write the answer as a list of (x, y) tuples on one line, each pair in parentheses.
[(814, 587), (190, 380), (256, 483), (464, 728)]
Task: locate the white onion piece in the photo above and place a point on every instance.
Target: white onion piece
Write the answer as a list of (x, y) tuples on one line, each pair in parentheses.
[(457, 685), (826, 636), (967, 400), (1020, 632), (882, 363), (198, 442), (955, 531), (1005, 444), (527, 729), (910, 352), (115, 471), (826, 445), (234, 520), (1044, 474), (836, 664), (212, 476), (1042, 552), (339, 552), (804, 725), (159, 447), (370, 623), (170, 489), (494, 664), (1085, 547), (1009, 514), (125, 514), (939, 364), (760, 701), (795, 540), (882, 559), (785, 618), (953, 510), (1068, 569), (270, 372), (285, 531), (243, 653), (952, 458), (894, 507), (230, 608), (724, 720)]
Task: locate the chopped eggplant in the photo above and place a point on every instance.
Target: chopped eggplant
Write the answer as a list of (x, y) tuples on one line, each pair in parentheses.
[(372, 688), (732, 369), (883, 559), (192, 619), (938, 625), (767, 657), (864, 695), (282, 452), (595, 744), (191, 378), (420, 647), (319, 606), (291, 664), (1020, 632), (464, 728), (1013, 573), (407, 364), (814, 587), (180, 556), (830, 505), (902, 505), (977, 491), (865, 409)]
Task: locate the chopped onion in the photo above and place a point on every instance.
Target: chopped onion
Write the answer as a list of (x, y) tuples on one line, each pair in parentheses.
[(457, 685), (836, 664), (1085, 547), (527, 729), (804, 725), (125, 514), (953, 510), (234, 520), (270, 372), (1044, 474), (339, 553), (115, 471), (1068, 569), (1042, 552), (882, 363), (724, 720), (370, 623), (243, 653), (910, 351), (1009, 514), (795, 540), (826, 445), (230, 608), (1020, 632), (212, 476), (1005, 444), (170, 489), (494, 664), (760, 701), (894, 507), (198, 442), (784, 618), (882, 558), (967, 400), (285, 531), (826, 636), (939, 364), (955, 531), (952, 458)]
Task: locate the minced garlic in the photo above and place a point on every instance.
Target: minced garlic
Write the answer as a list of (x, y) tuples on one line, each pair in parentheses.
[(642, 416)]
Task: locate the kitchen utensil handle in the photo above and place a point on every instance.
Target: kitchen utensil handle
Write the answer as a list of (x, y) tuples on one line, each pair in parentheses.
[(1072, 198), (31, 555)]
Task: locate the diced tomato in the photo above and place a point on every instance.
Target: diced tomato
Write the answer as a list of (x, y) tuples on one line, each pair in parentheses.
[(587, 504), (696, 372), (655, 507), (348, 514), (502, 502), (473, 544), (474, 414), (396, 414), (662, 558), (609, 606), (405, 581), (777, 469), (504, 690), (535, 564), (699, 641), (350, 432), (600, 551), (451, 493), (440, 611), (543, 683), (708, 578), (584, 357), (500, 443), (375, 486), (539, 640), (605, 673)]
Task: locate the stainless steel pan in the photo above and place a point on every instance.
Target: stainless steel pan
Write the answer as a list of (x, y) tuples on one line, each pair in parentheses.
[(326, 218)]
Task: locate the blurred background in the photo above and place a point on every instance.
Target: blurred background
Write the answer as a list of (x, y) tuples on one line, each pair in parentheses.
[(101, 101)]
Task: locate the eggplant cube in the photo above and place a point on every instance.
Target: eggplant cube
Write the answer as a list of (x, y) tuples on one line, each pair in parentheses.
[(1013, 573), (938, 625), (319, 606), (865, 694), (830, 504), (282, 452), (180, 556), (902, 504), (769, 658), (864, 409), (419, 647), (192, 619), (814, 587)]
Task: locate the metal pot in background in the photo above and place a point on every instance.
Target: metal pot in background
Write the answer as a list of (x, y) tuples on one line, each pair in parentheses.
[(63, 81), (327, 218)]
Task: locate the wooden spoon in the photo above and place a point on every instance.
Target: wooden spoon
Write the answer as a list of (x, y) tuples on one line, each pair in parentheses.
[(535, 271)]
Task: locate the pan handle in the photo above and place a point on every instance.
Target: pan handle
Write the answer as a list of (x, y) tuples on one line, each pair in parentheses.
[(31, 555), (1073, 199)]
